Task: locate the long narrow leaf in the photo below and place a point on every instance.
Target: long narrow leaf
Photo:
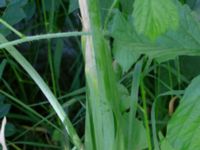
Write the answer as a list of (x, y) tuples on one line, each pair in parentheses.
[(46, 91)]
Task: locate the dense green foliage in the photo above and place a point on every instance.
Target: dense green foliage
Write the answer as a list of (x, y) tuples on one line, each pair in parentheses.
[(112, 75)]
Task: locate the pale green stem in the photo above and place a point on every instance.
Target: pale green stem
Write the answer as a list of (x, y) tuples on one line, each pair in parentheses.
[(42, 37), (11, 28), (146, 121)]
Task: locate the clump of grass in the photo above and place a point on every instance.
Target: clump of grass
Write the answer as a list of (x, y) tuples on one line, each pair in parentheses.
[(123, 108)]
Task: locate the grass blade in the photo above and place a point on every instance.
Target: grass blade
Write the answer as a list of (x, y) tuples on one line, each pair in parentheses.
[(46, 91), (134, 100)]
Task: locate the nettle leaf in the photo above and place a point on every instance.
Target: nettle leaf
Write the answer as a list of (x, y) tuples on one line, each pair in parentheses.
[(183, 132), (122, 30), (154, 17), (184, 41)]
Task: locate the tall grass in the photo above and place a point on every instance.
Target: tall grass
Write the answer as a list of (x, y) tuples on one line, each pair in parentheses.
[(118, 109)]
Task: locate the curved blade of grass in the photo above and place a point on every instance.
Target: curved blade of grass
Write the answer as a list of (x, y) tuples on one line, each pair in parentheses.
[(27, 108), (41, 37), (11, 28), (65, 105), (44, 88), (36, 144)]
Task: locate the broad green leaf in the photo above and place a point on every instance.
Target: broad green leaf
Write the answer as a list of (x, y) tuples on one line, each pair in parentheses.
[(29, 9), (189, 66), (122, 30), (19, 3), (13, 14), (125, 56), (154, 17), (183, 132), (139, 136), (139, 140), (184, 41), (127, 6), (104, 8), (165, 145), (4, 109), (10, 130), (73, 5)]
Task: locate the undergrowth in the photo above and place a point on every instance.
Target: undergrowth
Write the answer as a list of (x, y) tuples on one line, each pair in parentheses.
[(100, 74)]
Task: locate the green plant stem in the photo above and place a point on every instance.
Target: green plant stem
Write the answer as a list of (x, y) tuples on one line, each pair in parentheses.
[(50, 58), (153, 122), (103, 116), (52, 71), (45, 15), (27, 108), (177, 62), (69, 22), (170, 76), (49, 28), (11, 28), (143, 93), (42, 37)]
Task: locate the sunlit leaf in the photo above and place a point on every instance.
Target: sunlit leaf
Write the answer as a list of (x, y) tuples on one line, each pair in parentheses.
[(183, 132), (154, 17), (184, 41), (122, 30)]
